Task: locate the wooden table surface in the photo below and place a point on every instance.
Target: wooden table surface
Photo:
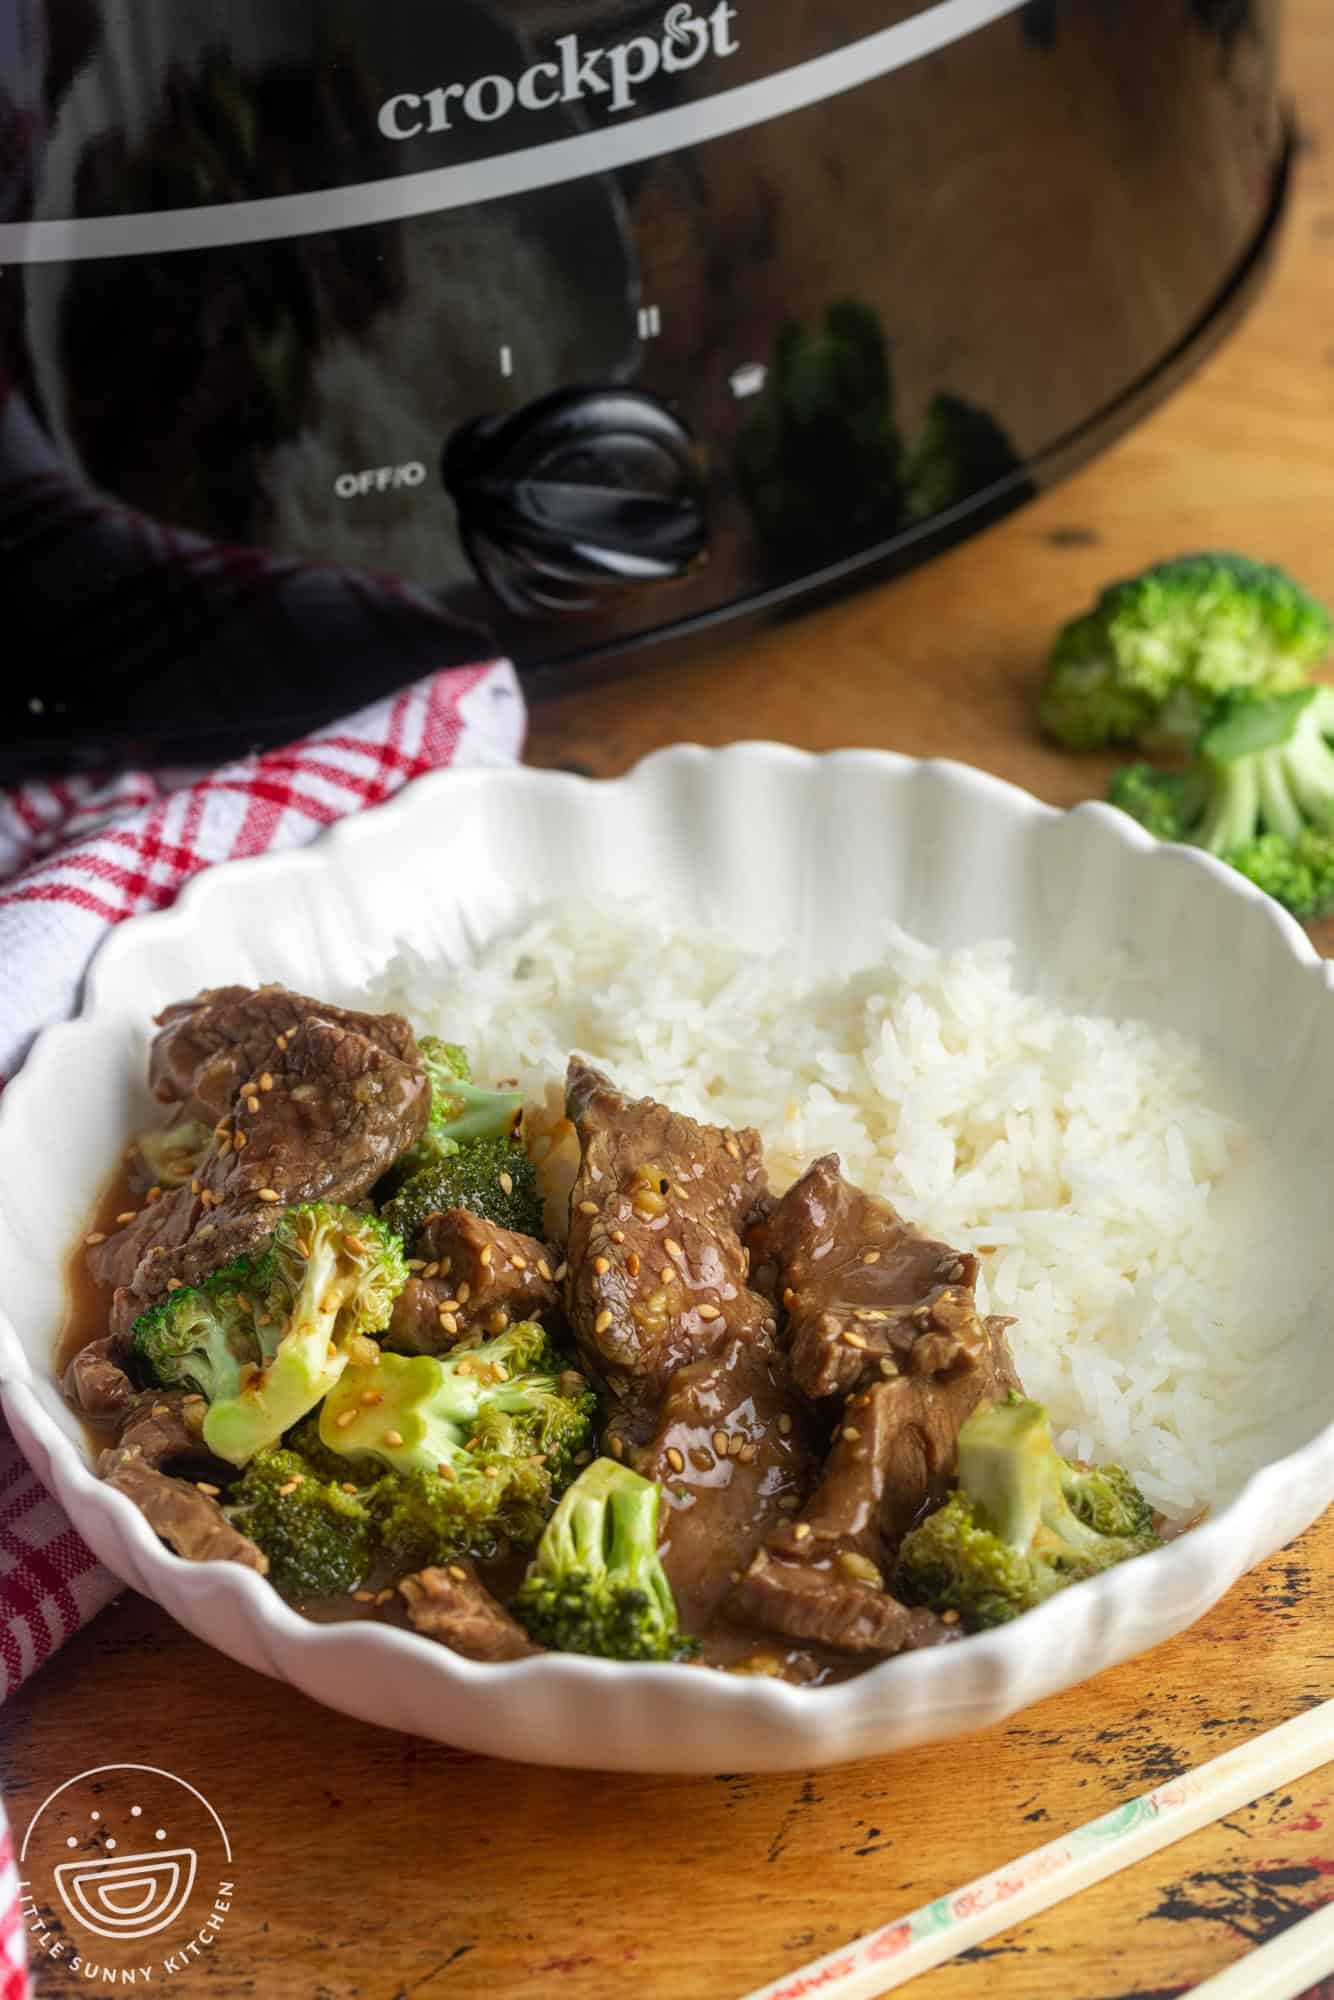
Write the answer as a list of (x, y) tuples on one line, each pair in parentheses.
[(373, 1867)]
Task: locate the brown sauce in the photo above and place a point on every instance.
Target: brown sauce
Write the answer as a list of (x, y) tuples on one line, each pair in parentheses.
[(722, 1645)]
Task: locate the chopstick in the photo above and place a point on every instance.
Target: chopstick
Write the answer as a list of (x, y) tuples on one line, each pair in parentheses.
[(898, 1951), (1283, 1969)]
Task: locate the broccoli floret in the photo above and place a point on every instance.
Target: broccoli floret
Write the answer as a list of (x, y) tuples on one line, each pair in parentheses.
[(960, 450), (203, 1337), (1023, 1522), (596, 1582), (1157, 653), (817, 458), (494, 1178), (333, 1277), (461, 1111), (173, 1154), (319, 1540), (1259, 794), (481, 1441)]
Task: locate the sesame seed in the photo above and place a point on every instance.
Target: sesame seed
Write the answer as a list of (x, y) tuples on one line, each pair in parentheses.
[(603, 1321), (785, 1424), (344, 1418), (498, 1321), (364, 1596), (737, 1446), (672, 1247), (870, 1257), (588, 1208), (266, 1081), (446, 1472), (507, 1184), (632, 1263), (484, 1254), (448, 1306), (730, 1146), (789, 1297), (175, 1284), (448, 1323), (459, 1574), (354, 1244), (252, 1105), (860, 1568), (394, 1438), (789, 1503), (269, 1194), (288, 1486), (416, 1263), (675, 1460), (188, 1401), (240, 1142), (162, 1409), (465, 1293), (800, 1531), (126, 1215), (213, 1491), (224, 1146), (747, 1454), (709, 1312), (491, 1471), (720, 1443), (666, 1274), (544, 1269), (370, 1397), (194, 1187), (618, 1236), (851, 1433), (349, 1486), (617, 1448), (97, 1236), (519, 1263), (282, 1042), (601, 1264), (855, 1339), (559, 1273), (949, 1617), (888, 1365)]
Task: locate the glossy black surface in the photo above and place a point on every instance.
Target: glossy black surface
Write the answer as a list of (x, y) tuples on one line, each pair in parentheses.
[(862, 327)]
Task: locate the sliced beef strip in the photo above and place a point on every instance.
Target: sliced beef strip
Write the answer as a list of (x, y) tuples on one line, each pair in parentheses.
[(163, 1424), (853, 1277), (453, 1605), (804, 1602), (338, 1111), (730, 1456), (895, 1454), (97, 1385), (478, 1278), (207, 1047), (187, 1520), (658, 1276)]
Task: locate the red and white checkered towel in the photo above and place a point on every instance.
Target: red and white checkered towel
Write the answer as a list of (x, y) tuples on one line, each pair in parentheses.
[(76, 857)]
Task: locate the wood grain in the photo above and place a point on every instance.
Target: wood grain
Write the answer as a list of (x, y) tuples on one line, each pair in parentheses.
[(372, 1867)]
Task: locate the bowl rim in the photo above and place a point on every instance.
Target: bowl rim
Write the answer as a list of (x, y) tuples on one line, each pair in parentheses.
[(1220, 1546)]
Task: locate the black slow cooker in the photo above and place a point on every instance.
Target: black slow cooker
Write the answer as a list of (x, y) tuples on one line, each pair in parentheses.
[(339, 342)]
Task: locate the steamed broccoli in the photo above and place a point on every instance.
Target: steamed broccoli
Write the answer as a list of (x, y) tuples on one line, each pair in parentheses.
[(960, 451), (172, 1155), (1157, 653), (202, 1337), (1023, 1522), (331, 1276), (494, 1178), (1259, 794), (596, 1582), (461, 1110), (481, 1441), (319, 1540), (817, 458)]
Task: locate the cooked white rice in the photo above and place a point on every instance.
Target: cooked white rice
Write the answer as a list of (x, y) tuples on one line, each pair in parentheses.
[(1076, 1153)]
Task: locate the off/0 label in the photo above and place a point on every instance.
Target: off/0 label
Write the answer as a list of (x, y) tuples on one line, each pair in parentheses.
[(379, 479)]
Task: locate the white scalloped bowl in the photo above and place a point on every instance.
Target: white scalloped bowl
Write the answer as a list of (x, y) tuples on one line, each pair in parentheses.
[(824, 845)]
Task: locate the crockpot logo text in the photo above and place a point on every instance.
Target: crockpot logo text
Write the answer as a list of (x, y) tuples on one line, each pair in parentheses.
[(576, 72)]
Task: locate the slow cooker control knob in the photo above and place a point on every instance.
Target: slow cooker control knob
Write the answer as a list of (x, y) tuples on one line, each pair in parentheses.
[(578, 498)]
